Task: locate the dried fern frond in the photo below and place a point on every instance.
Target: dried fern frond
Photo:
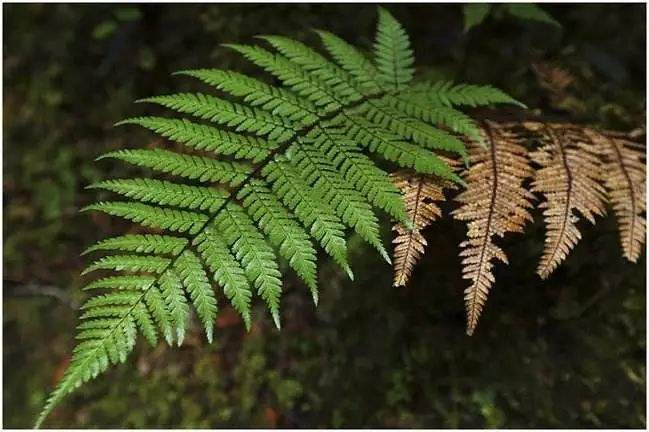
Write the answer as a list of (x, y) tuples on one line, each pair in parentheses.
[(624, 173), (494, 203), (570, 178), (575, 163), (421, 194)]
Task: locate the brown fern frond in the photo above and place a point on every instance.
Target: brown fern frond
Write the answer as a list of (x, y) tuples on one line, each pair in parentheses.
[(624, 174), (571, 179), (494, 203), (421, 195)]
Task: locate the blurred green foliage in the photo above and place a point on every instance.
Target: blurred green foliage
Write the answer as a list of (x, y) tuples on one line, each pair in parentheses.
[(476, 13), (568, 352)]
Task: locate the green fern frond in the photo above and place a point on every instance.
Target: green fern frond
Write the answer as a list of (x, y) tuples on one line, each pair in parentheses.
[(292, 75), (131, 263), (239, 117), (315, 214), (419, 132), (195, 280), (264, 173), (129, 282), (154, 217), (256, 93), (166, 193), (160, 313), (141, 243), (171, 291), (453, 119), (256, 256), (446, 93), (336, 81), (349, 205), (395, 149), (282, 231), (202, 137), (352, 60), (392, 53), (228, 271), (113, 299), (186, 166), (144, 322), (361, 172)]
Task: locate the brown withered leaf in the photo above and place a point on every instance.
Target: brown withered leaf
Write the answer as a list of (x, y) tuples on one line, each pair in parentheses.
[(421, 194), (494, 203), (624, 173), (570, 178)]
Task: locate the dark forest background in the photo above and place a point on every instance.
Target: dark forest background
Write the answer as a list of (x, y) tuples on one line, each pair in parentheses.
[(568, 352)]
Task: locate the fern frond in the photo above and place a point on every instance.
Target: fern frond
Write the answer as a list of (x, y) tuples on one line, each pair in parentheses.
[(453, 119), (109, 345), (263, 176), (227, 270), (343, 90), (395, 149), (410, 128), (624, 173), (207, 138), (277, 101), (144, 322), (335, 79), (130, 263), (154, 217), (494, 203), (119, 298), (421, 194), (241, 118), (392, 53), (292, 75), (165, 193), (171, 291), (193, 277), (141, 243), (352, 60), (283, 231), (569, 178), (253, 252), (129, 282), (367, 178), (187, 166), (350, 206), (160, 313), (447, 93), (312, 212)]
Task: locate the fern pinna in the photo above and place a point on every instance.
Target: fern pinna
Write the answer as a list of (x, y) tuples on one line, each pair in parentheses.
[(272, 172), (494, 203)]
